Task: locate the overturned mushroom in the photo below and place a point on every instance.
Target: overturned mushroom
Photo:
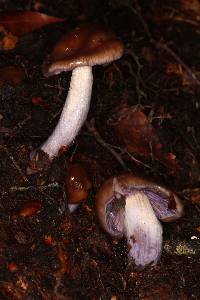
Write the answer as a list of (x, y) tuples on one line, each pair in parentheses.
[(131, 206), (79, 50)]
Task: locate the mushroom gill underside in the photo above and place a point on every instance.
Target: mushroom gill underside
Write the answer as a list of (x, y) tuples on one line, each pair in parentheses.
[(134, 212)]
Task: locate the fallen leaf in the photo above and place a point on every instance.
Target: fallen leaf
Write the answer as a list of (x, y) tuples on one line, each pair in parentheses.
[(191, 6), (177, 69), (12, 267), (174, 69), (8, 41), (12, 75), (136, 131), (196, 198), (198, 229), (30, 209), (140, 137), (37, 100), (19, 23)]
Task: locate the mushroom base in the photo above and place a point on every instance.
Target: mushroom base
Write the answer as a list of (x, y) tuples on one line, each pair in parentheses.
[(39, 161)]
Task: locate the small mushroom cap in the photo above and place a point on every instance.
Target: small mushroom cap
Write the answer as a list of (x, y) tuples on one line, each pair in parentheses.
[(77, 184), (87, 45), (124, 184)]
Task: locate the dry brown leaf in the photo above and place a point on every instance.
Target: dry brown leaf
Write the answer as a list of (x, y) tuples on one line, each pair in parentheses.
[(19, 23), (8, 40), (191, 6), (136, 131), (12, 75), (29, 209), (37, 100), (195, 198), (198, 229), (176, 69), (12, 267)]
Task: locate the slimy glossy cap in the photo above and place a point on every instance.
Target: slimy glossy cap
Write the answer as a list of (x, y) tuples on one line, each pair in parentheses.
[(87, 45)]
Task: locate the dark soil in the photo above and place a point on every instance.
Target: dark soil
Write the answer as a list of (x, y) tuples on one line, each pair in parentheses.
[(48, 253)]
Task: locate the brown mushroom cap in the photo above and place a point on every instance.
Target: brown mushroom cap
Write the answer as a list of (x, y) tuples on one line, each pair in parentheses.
[(77, 184), (87, 45), (106, 192)]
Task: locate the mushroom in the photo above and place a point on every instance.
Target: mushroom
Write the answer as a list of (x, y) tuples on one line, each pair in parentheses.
[(131, 206), (85, 46), (78, 185)]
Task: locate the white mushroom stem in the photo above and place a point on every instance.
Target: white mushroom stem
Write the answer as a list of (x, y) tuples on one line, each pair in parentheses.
[(74, 112), (143, 230)]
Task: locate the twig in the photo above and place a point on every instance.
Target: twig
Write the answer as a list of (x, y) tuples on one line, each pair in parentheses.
[(137, 11), (38, 188), (137, 76), (22, 123), (91, 128), (138, 162), (135, 160), (178, 59), (18, 168)]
